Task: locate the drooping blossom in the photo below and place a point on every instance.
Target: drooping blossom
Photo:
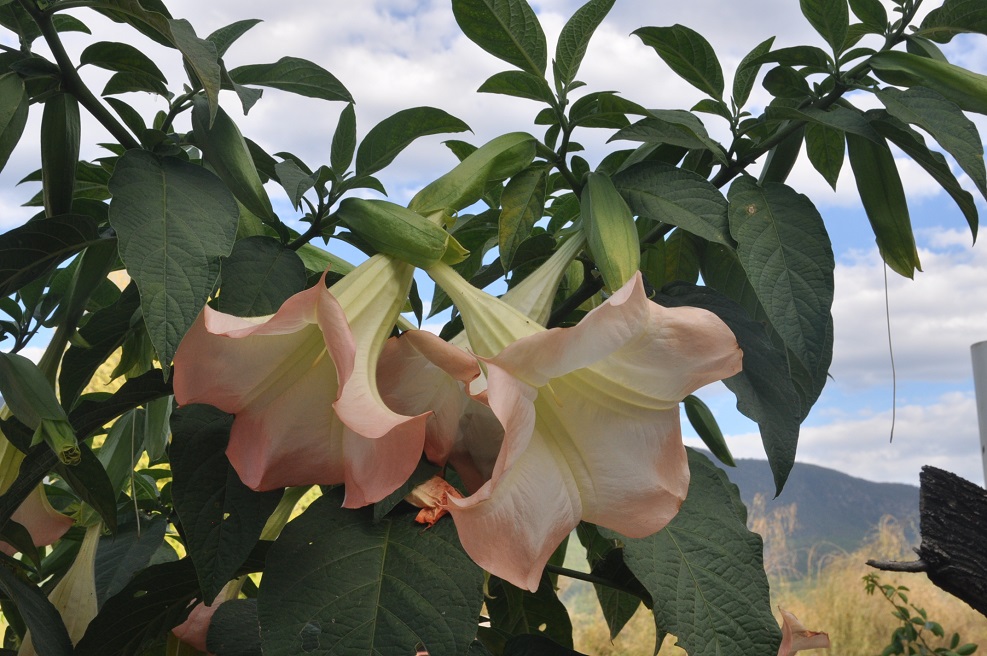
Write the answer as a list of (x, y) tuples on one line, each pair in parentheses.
[(590, 418), (795, 637), (43, 523), (74, 596), (302, 384)]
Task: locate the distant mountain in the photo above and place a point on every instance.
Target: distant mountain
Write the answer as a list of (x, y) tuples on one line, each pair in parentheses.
[(830, 506)]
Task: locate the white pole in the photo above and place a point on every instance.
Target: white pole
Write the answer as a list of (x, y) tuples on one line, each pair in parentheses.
[(978, 352)]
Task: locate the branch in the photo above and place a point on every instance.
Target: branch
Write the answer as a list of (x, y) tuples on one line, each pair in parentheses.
[(71, 81), (898, 566)]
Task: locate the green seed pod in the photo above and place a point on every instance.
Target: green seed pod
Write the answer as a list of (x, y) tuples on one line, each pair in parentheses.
[(496, 160), (400, 232), (60, 139), (610, 231)]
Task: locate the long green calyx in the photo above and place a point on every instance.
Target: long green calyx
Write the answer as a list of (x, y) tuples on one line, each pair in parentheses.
[(32, 400), (610, 231), (401, 233), (496, 160)]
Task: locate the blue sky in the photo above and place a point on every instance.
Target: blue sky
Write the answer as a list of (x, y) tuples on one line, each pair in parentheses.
[(393, 54)]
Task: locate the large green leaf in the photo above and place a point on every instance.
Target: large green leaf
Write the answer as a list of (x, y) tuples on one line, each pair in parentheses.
[(522, 204), (934, 163), (606, 562), (123, 57), (337, 582), (871, 13), (222, 517), (671, 259), (965, 88), (883, 197), (43, 620), (705, 572), (673, 126), (259, 276), (783, 246), (395, 133), (225, 36), (687, 53), (343, 141), (13, 114), (295, 75), (507, 29), (225, 150), (201, 60), (672, 195), (514, 611), (954, 17), (37, 247), (945, 121), (830, 18), (574, 38), (520, 84), (125, 553), (174, 222)]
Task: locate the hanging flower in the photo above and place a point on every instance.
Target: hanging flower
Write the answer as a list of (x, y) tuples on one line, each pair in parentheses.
[(302, 384), (795, 637), (590, 418)]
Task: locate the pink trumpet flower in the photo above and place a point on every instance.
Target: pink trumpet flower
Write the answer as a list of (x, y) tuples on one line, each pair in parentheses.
[(590, 418), (302, 384), (795, 637)]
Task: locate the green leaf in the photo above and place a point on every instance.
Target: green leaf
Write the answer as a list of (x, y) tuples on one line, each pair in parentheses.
[(60, 142), (934, 163), (224, 37), (688, 54), (954, 17), (947, 124), (89, 416), (786, 82), (202, 58), (15, 18), (675, 127), (965, 88), (783, 246), (343, 141), (222, 517), (338, 582), (294, 75), (156, 429), (871, 13), (90, 482), (883, 197), (522, 204), (603, 109), (704, 423), (122, 57), (826, 148), (226, 152), (743, 80), (234, 629), (174, 221), (796, 56), (395, 133), (259, 276), (67, 23), (705, 572), (294, 180), (830, 18), (574, 39), (519, 84), (43, 620), (672, 195), (514, 611), (122, 449), (153, 601), (125, 553), (675, 258), (34, 249), (535, 645), (27, 392), (507, 29), (13, 114), (130, 116)]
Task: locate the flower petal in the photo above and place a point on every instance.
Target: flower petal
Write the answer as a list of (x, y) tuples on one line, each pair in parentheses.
[(44, 523), (795, 637)]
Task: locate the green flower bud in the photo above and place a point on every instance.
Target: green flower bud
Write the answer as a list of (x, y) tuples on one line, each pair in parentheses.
[(399, 232), (610, 231), (496, 160)]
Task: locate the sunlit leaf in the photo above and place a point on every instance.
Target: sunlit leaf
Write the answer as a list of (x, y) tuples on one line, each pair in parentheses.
[(687, 53), (395, 133)]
